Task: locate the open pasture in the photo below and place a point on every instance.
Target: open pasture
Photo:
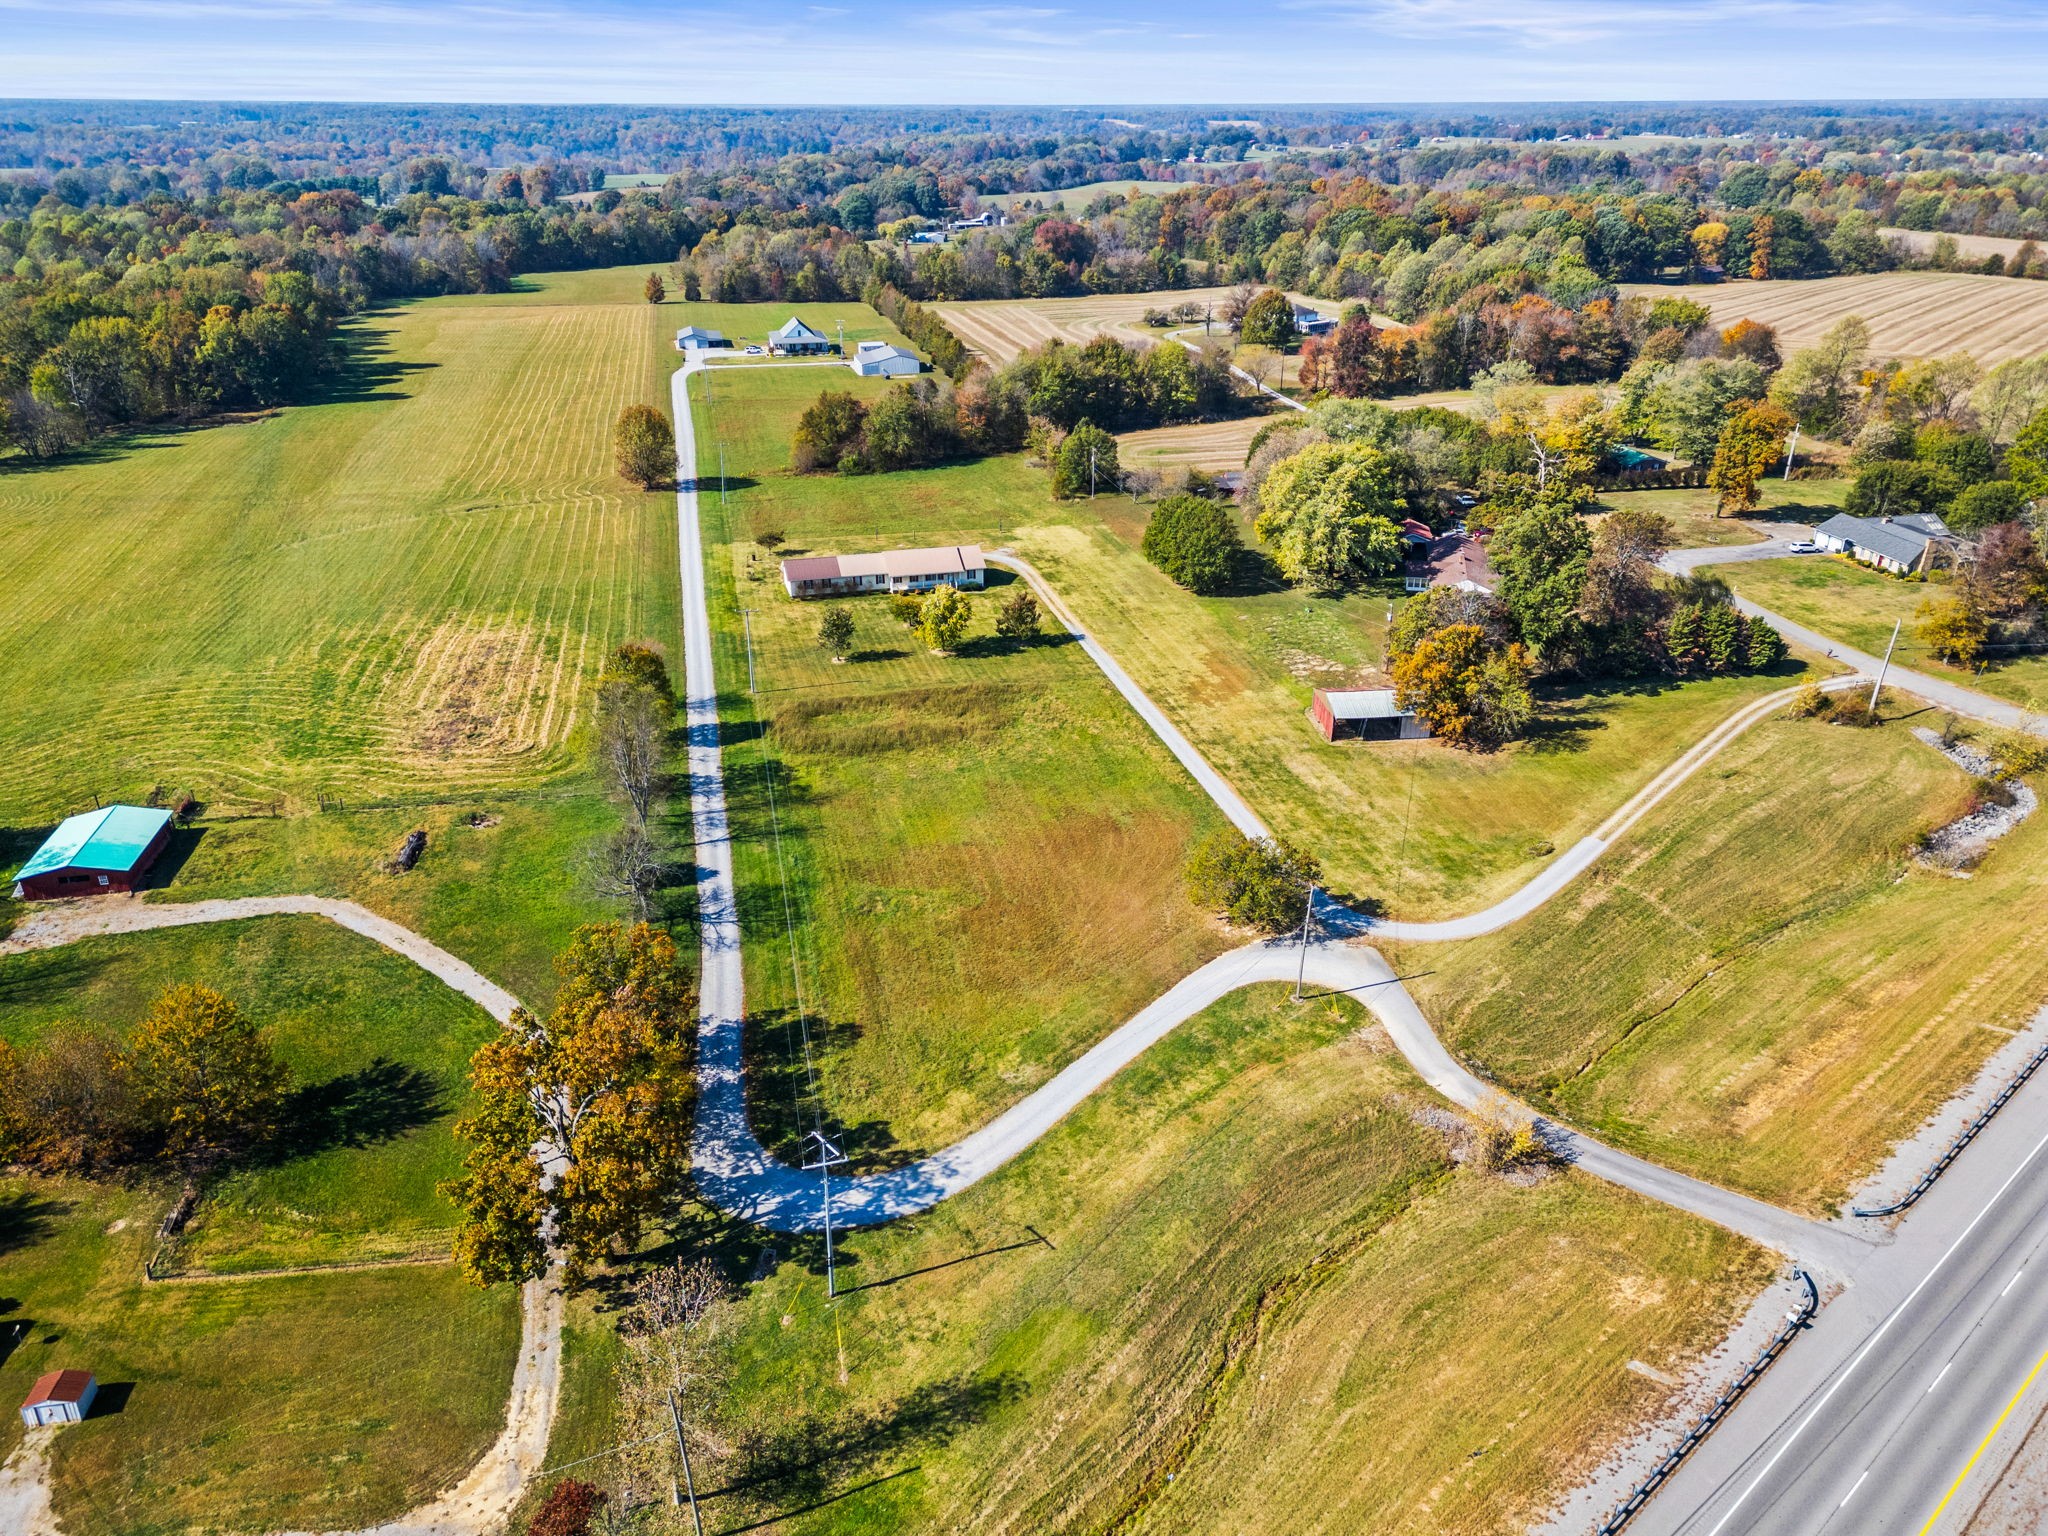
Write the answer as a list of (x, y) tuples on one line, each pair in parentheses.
[(1073, 199), (1244, 1278), (1419, 826), (1756, 986), (1911, 314), (980, 854), (999, 329), (404, 589)]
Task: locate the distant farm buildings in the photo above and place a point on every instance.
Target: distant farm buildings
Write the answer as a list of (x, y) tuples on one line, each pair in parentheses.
[(793, 338), (695, 338), (62, 1397), (1911, 544), (1312, 322), (893, 570), (1363, 714), (107, 850), (879, 360), (1455, 560)]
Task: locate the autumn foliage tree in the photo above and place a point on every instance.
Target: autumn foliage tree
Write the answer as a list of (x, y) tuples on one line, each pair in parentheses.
[(1751, 442), (1469, 691), (603, 1087), (943, 617), (207, 1080), (655, 289), (645, 446), (1329, 515)]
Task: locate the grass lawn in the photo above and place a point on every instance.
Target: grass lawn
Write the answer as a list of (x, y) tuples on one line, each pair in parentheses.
[(1756, 986), (1420, 826), (982, 852), (397, 597), (243, 1405), (379, 1050), (1247, 1223), (1853, 603), (1691, 512)]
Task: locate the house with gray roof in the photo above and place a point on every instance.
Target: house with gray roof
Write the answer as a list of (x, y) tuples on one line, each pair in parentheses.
[(695, 338), (793, 338), (1910, 544)]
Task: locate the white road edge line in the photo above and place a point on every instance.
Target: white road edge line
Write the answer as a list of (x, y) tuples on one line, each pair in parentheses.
[(1882, 1329)]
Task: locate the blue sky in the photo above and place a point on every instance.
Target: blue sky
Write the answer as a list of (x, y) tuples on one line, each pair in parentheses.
[(1097, 51)]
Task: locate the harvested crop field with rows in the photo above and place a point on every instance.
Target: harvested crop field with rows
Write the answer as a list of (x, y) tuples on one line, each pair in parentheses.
[(1911, 314), (407, 585), (999, 329)]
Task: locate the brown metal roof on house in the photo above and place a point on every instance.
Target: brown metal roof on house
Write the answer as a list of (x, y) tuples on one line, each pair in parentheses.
[(59, 1387), (942, 560), (1457, 559), (811, 568)]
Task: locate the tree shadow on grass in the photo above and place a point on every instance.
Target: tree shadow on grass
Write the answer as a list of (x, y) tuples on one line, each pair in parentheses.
[(376, 1103), (812, 1457), (27, 1217), (1253, 573), (38, 975), (364, 369), (782, 1101)]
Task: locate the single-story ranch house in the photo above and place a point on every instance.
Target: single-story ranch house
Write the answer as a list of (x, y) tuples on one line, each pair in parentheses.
[(877, 359), (110, 849), (1364, 714), (61, 1397), (695, 338), (793, 338), (893, 570), (1908, 545)]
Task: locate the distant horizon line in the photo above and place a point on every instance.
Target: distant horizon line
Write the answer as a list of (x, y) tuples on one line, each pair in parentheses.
[(927, 104)]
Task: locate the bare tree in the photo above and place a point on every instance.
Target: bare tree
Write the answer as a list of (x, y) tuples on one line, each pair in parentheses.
[(1236, 302), (626, 868), (631, 725), (672, 1367)]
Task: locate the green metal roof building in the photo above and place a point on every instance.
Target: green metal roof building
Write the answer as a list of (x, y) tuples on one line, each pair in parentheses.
[(110, 849)]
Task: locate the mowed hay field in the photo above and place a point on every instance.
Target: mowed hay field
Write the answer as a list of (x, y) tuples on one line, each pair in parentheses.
[(403, 590), (1756, 985), (1911, 314), (965, 870), (999, 329), (1262, 1288)]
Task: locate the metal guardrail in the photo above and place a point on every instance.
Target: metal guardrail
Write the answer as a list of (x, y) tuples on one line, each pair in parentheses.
[(1795, 1320), (1969, 1134)]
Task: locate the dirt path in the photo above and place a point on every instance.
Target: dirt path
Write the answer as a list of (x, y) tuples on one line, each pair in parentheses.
[(25, 1487)]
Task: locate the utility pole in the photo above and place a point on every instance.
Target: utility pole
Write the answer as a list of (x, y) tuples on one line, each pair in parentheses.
[(721, 477), (1091, 471), (827, 1156), (1308, 914), (675, 1414), (1881, 671), (747, 619), (1791, 450)]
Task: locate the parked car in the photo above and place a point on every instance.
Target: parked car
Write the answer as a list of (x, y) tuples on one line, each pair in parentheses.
[(1803, 547), (755, 352), (1466, 499)]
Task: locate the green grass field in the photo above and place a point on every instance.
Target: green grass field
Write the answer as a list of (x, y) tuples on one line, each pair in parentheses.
[(393, 601), (379, 1053), (242, 1405), (1853, 603), (1261, 1286), (982, 852), (1756, 986), (1418, 826), (1694, 525)]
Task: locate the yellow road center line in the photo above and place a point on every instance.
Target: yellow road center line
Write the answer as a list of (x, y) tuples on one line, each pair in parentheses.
[(1983, 1445)]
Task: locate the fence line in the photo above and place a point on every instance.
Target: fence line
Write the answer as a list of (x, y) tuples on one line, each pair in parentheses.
[(1795, 1320)]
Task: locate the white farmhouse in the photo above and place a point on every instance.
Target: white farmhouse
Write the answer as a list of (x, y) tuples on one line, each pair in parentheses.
[(795, 339)]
